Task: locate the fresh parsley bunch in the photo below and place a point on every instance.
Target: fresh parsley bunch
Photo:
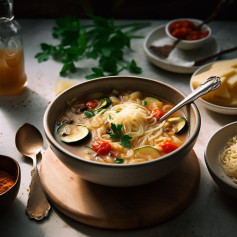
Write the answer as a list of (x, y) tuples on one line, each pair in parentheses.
[(103, 41)]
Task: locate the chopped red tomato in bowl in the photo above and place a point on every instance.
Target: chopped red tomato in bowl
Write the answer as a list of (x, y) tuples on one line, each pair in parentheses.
[(157, 113), (168, 146), (92, 104), (101, 147)]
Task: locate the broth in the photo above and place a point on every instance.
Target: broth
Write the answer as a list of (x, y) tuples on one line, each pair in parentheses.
[(13, 78), (120, 127)]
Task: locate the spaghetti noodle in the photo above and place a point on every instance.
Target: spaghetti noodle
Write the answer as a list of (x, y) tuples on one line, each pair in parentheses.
[(228, 159), (127, 127)]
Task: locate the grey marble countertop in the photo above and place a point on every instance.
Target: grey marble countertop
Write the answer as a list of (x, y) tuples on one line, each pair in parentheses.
[(211, 213)]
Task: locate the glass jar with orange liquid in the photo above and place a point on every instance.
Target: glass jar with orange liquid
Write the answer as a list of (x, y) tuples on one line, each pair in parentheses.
[(12, 71)]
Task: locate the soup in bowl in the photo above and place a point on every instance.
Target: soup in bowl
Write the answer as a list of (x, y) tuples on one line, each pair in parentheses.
[(108, 130)]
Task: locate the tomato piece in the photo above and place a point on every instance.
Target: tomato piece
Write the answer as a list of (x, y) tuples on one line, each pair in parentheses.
[(168, 146), (101, 147), (91, 104), (157, 113)]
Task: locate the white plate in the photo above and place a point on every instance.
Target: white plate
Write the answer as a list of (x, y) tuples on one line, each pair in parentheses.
[(178, 60)]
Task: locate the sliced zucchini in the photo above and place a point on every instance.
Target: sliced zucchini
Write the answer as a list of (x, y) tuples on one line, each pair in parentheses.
[(71, 133), (104, 103), (178, 124), (151, 103), (146, 152)]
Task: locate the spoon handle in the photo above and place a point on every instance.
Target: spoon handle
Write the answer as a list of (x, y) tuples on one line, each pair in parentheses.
[(222, 4), (37, 205), (212, 83), (203, 60)]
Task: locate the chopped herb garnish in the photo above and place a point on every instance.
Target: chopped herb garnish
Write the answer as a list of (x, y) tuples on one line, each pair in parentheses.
[(144, 102), (125, 139), (114, 136), (117, 129), (102, 41), (110, 117), (119, 160), (89, 114)]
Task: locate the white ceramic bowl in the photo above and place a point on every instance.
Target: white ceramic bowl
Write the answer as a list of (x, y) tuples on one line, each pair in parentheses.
[(189, 44), (213, 107), (214, 147), (117, 174)]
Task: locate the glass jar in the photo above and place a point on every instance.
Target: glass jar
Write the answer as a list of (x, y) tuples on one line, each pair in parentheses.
[(12, 71)]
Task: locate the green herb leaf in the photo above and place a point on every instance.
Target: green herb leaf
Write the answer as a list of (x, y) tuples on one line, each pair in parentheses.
[(44, 56), (102, 40), (116, 129), (89, 114), (119, 160), (132, 67), (97, 73), (114, 136), (125, 141)]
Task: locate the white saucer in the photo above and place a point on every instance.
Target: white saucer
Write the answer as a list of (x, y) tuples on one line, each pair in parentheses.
[(178, 60)]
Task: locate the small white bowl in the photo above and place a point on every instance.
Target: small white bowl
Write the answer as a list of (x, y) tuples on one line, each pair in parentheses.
[(213, 107), (189, 44), (214, 147)]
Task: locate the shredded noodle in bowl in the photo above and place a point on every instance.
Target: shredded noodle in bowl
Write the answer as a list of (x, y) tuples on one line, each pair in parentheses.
[(137, 122), (228, 159)]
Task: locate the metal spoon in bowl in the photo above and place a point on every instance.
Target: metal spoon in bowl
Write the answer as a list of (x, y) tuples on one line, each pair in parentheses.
[(29, 143), (212, 83)]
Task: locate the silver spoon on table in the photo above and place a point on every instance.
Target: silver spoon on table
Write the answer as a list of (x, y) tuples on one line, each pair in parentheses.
[(212, 83), (29, 143)]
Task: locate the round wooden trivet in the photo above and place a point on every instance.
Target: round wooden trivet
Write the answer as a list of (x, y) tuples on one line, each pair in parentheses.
[(119, 208)]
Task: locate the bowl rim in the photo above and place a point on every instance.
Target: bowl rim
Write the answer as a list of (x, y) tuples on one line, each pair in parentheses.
[(219, 107), (53, 141), (197, 21), (212, 170), (18, 173)]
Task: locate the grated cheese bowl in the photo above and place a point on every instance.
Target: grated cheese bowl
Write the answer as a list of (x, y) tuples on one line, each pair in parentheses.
[(121, 175)]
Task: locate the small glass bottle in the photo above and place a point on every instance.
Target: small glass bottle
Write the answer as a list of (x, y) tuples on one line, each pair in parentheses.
[(12, 71)]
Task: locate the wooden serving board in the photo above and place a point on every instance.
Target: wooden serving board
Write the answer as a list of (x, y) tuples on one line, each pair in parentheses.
[(119, 208)]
